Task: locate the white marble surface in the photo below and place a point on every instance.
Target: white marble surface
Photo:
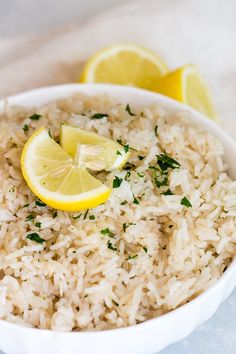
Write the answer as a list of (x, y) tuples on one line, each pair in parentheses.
[(20, 16)]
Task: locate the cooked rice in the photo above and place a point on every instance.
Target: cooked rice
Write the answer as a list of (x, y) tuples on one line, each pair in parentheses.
[(81, 279)]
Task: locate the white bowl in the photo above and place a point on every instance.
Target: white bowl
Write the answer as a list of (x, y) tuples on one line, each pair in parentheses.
[(152, 335)]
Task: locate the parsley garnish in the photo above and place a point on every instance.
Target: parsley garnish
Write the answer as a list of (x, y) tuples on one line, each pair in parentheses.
[(49, 133), (117, 182), (167, 192), (85, 214), (140, 157), (25, 128), (99, 115), (140, 174), (185, 202), (91, 217), (126, 225), (38, 224), (155, 130), (145, 249), (118, 153), (30, 217), (35, 116), (76, 217), (107, 232), (124, 202), (25, 206), (132, 257), (135, 201), (38, 202), (128, 109), (54, 215), (128, 173), (164, 161), (110, 246), (35, 237)]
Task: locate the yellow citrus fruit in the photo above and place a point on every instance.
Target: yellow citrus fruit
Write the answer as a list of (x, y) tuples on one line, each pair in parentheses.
[(125, 64), (91, 150), (188, 86), (56, 179)]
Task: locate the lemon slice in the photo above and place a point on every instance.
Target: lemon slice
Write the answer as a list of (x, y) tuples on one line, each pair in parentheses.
[(125, 64), (188, 86), (91, 150), (53, 177)]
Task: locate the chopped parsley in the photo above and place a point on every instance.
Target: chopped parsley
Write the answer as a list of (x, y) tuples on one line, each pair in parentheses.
[(25, 206), (35, 116), (140, 157), (145, 249), (118, 153), (34, 236), (185, 202), (126, 225), (165, 161), (54, 215), (99, 116), (38, 202), (76, 217), (167, 192), (128, 173), (38, 224), (132, 257), (29, 217), (117, 182), (135, 201), (141, 175), (160, 180), (107, 232), (25, 128), (85, 214), (128, 109), (91, 217), (124, 202), (155, 130), (110, 246)]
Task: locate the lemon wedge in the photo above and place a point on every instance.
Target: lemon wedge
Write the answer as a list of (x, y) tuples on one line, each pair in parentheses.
[(188, 86), (125, 64), (53, 176), (91, 150)]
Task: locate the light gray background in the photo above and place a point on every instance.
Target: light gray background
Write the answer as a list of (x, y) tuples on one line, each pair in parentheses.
[(218, 335)]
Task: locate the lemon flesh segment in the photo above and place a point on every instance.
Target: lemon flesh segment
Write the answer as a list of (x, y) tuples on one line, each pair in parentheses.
[(188, 86), (52, 176), (125, 64), (91, 150)]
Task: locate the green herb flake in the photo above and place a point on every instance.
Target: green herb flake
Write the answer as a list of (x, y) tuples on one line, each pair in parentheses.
[(39, 203), (25, 206), (117, 182), (91, 217), (155, 130), (135, 201), (141, 175), (185, 202), (167, 192), (49, 133), (140, 157), (85, 214), (131, 257), (54, 215), (126, 225), (110, 246), (145, 249), (160, 180), (35, 116), (29, 217), (118, 153), (38, 224), (107, 232), (165, 161), (99, 116), (128, 174), (35, 237), (25, 128), (124, 202), (77, 216), (128, 109)]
